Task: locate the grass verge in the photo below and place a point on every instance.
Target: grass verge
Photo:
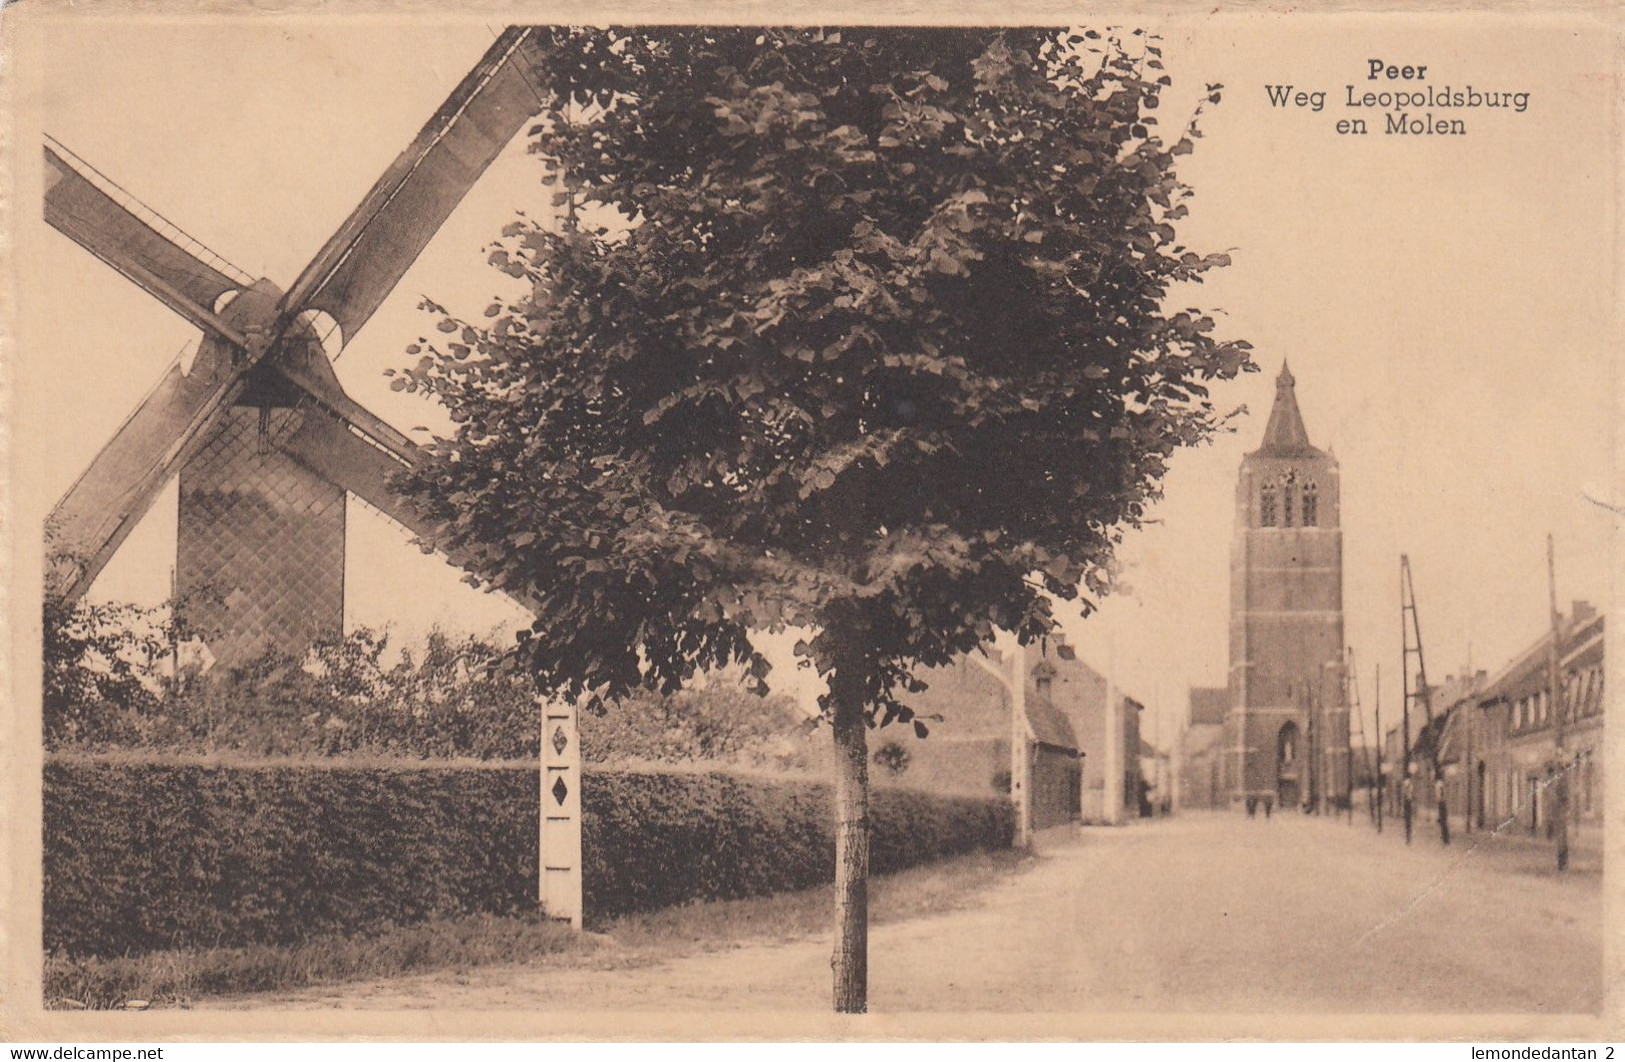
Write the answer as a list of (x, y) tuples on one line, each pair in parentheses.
[(175, 978), (919, 891)]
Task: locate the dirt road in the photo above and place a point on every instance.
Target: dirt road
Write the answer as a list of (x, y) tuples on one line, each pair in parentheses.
[(1204, 912)]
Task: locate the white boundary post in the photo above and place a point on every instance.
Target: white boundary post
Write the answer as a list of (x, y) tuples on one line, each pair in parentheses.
[(559, 847)]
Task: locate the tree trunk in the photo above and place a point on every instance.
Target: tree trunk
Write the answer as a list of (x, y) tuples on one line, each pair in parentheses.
[(851, 959)]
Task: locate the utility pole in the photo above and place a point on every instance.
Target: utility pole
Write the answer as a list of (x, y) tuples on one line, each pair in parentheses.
[(1322, 773), (1020, 772), (1405, 785), (1309, 758), (1411, 636), (1554, 679), (1014, 679), (1382, 793), (1351, 698)]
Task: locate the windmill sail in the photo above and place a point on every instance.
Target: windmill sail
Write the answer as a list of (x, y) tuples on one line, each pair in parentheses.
[(86, 212), (110, 497), (372, 250), (345, 452), (258, 352)]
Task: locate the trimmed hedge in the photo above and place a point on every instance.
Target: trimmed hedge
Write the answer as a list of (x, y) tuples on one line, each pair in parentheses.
[(141, 856)]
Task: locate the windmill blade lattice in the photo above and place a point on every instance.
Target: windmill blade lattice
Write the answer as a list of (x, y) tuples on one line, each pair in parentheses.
[(261, 434)]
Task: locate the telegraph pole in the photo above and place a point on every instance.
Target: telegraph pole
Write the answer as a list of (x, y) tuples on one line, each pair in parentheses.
[(1407, 607), (1014, 680), (1381, 791), (1353, 717), (1313, 757), (1554, 679), (1405, 785)]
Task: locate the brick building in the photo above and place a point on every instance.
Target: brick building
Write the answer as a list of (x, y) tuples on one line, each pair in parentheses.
[(1497, 739), (1201, 750), (1083, 731), (1507, 754), (1286, 733), (1438, 739)]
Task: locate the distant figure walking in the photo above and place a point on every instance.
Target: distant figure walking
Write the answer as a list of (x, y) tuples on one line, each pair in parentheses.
[(1268, 806), (1252, 807)]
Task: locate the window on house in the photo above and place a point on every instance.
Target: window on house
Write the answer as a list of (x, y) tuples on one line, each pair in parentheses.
[(1266, 506), (1311, 504)]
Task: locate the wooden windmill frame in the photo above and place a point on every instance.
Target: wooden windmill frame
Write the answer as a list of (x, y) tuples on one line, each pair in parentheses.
[(264, 439)]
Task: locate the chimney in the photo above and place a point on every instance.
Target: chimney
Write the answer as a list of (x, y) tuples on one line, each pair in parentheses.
[(1581, 611), (1044, 678)]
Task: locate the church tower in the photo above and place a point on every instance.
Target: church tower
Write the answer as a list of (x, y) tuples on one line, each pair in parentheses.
[(1287, 732)]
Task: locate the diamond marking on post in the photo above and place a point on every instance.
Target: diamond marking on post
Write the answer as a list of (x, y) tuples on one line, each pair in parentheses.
[(560, 790), (560, 741)]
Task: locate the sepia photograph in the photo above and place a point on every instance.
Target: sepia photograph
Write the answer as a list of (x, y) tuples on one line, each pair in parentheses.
[(1001, 524)]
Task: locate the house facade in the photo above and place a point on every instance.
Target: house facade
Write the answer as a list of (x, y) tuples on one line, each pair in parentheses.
[(1201, 749), (1510, 751), (1083, 735), (1498, 740)]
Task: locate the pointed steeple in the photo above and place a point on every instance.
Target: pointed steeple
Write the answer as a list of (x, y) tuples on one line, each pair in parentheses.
[(1285, 436)]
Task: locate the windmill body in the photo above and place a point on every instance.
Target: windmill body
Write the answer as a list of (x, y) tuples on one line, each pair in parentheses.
[(264, 440)]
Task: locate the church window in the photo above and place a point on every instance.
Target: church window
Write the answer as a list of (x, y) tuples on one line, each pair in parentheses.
[(1266, 506), (1288, 484), (1311, 504)]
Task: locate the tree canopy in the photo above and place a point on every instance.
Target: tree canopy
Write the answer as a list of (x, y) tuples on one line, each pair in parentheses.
[(861, 330)]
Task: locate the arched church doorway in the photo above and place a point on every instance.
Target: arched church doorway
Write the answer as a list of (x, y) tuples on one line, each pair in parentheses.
[(1287, 759)]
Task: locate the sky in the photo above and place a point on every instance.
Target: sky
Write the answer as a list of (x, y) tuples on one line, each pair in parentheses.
[(1444, 302)]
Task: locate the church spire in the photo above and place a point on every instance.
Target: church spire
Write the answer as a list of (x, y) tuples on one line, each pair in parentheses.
[(1285, 435)]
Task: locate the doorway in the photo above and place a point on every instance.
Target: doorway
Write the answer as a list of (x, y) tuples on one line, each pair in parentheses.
[(1287, 788)]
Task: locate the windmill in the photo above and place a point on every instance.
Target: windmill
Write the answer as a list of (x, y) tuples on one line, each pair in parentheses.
[(264, 440)]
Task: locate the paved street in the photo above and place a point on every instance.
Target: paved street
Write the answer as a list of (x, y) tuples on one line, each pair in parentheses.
[(1204, 912)]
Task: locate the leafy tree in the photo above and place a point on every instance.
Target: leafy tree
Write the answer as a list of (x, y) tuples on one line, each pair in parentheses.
[(861, 331), (893, 756), (100, 672), (721, 722)]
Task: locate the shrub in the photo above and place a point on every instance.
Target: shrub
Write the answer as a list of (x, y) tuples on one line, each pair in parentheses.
[(161, 855), (111, 685), (147, 855)]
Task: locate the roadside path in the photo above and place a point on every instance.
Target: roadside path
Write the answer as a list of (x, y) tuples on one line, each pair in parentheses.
[(1204, 912)]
